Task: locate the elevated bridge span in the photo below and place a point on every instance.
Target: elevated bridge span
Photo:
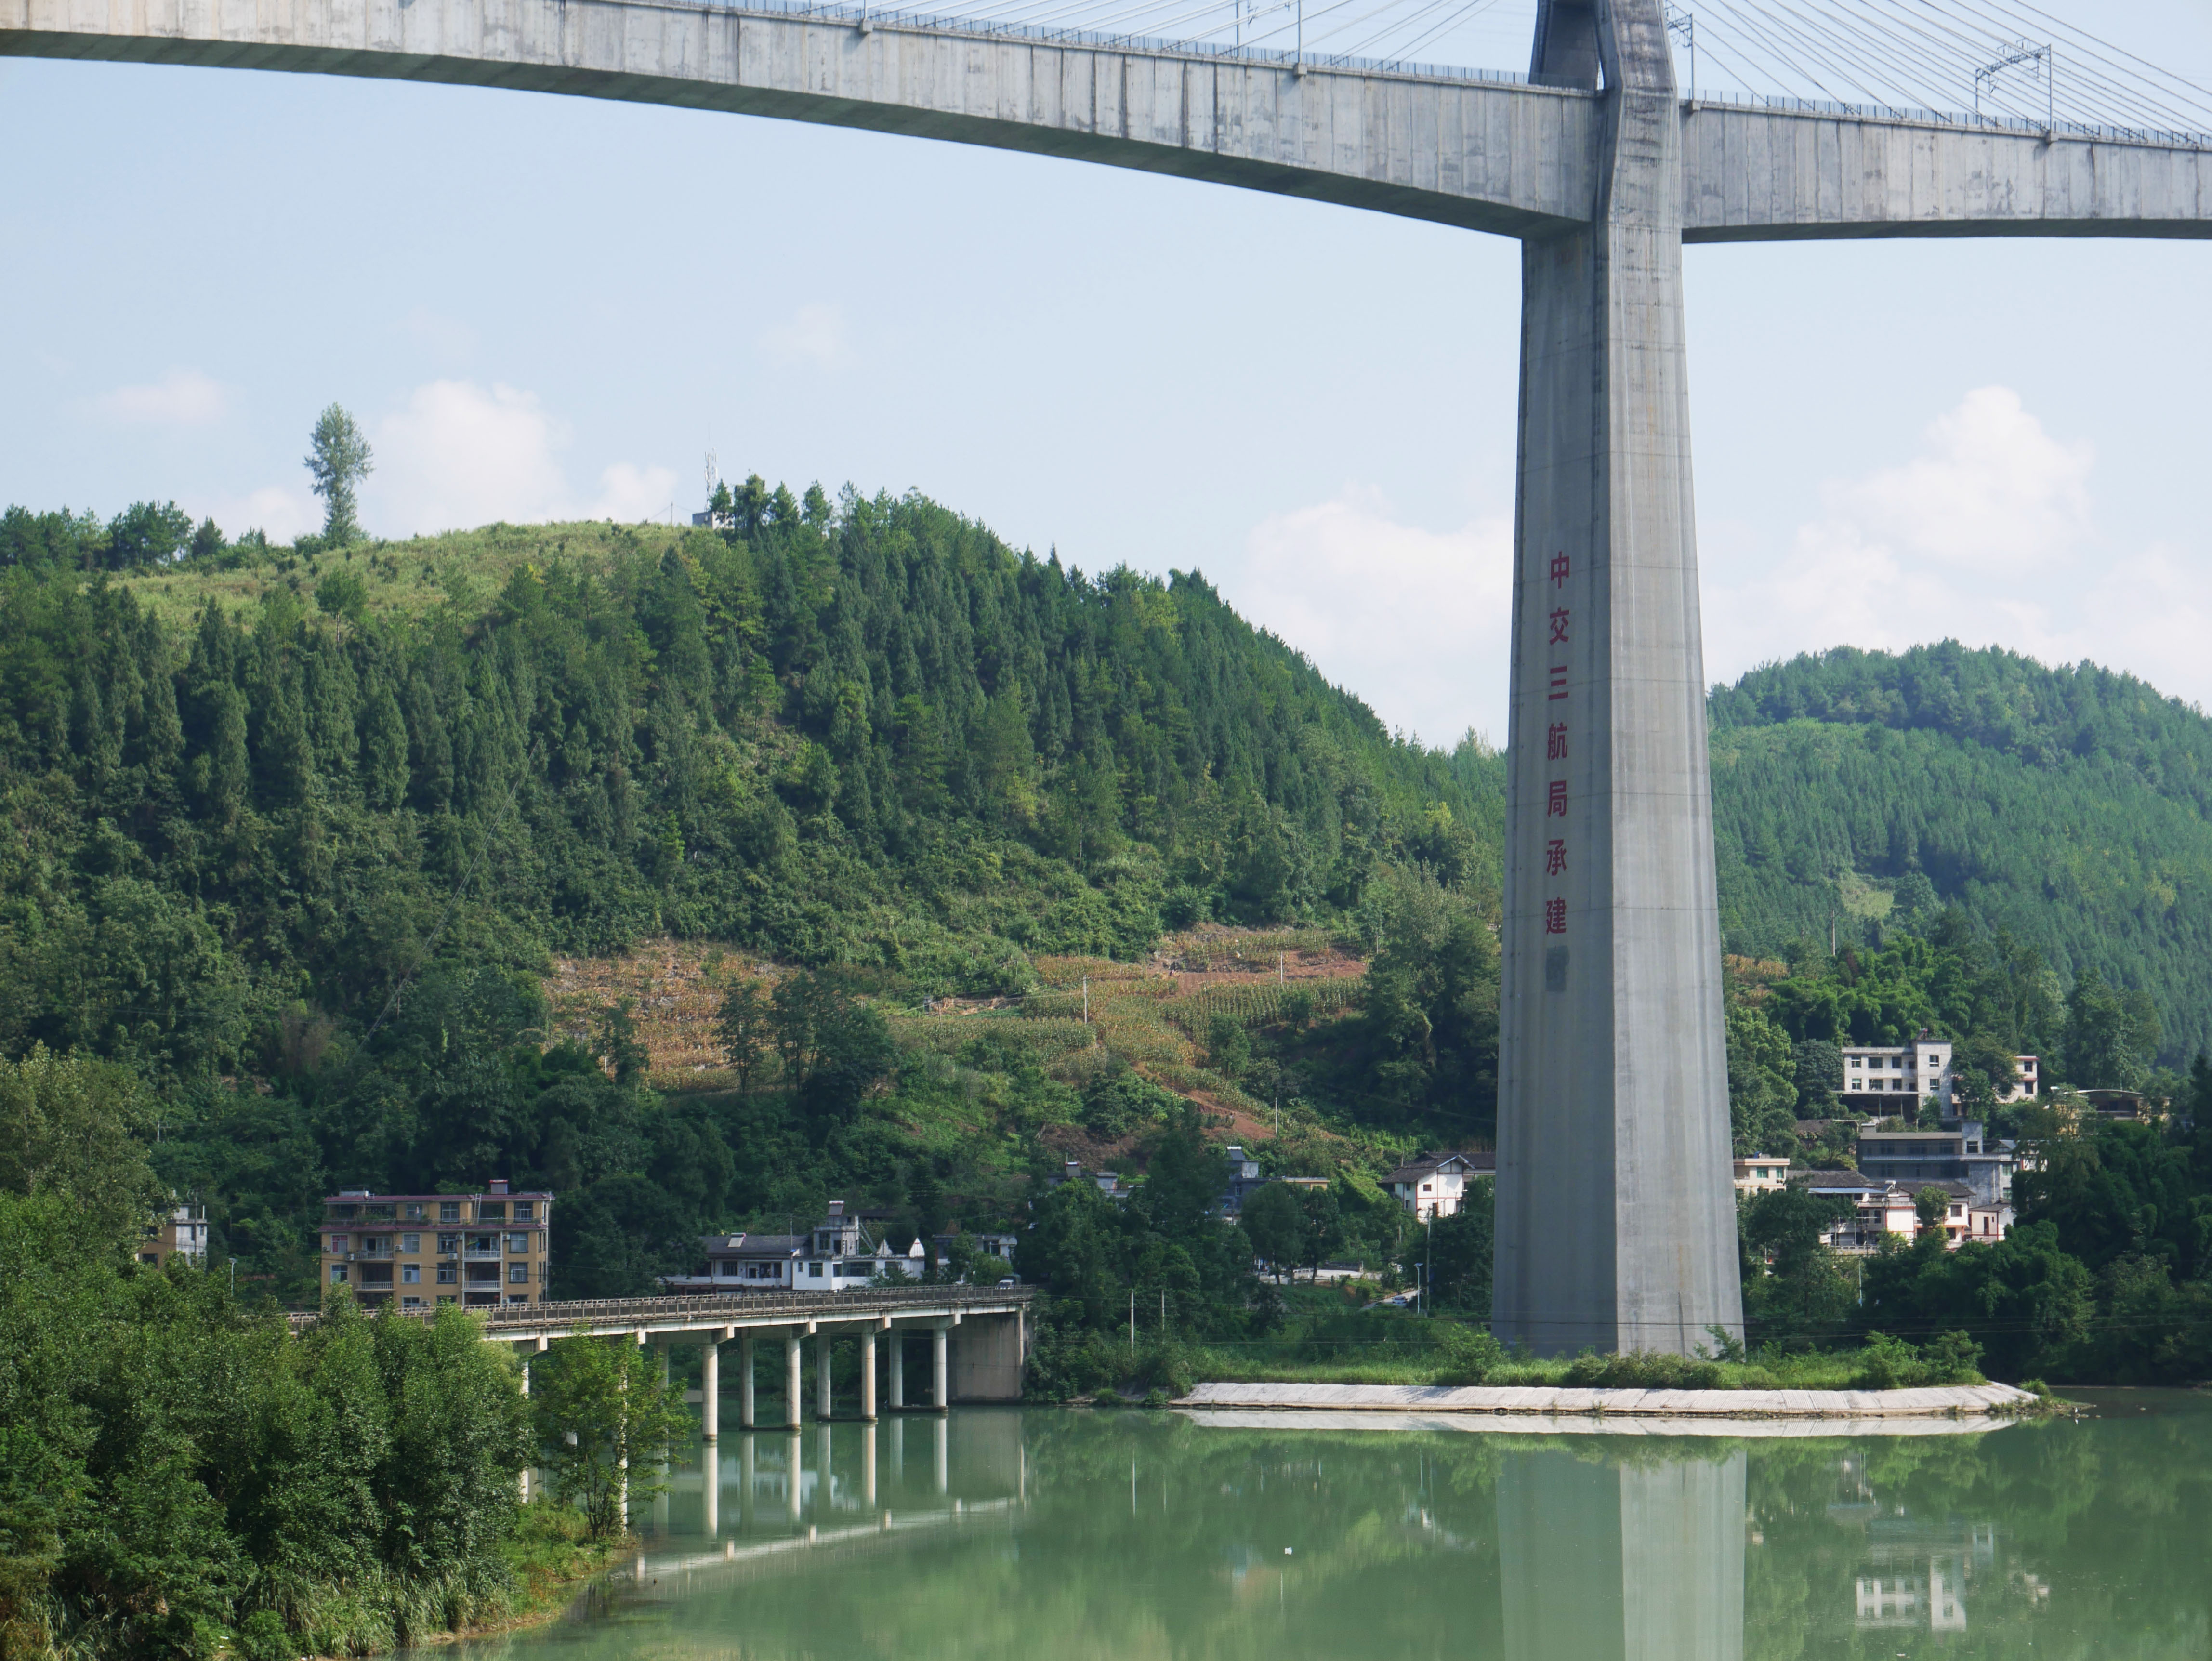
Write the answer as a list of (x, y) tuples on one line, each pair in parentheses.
[(978, 1338), (1489, 154)]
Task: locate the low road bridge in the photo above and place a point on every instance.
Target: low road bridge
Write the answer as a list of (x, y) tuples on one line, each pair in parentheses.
[(1613, 1075), (978, 1338)]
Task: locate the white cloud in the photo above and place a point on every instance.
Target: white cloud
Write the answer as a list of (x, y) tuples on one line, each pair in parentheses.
[(1416, 622), (628, 491), (459, 456), (813, 335), (182, 397), (1988, 536), (282, 513)]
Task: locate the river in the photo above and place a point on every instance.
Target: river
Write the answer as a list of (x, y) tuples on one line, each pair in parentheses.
[(1036, 1533)]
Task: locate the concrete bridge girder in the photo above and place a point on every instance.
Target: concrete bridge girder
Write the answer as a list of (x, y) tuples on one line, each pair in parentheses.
[(1484, 155)]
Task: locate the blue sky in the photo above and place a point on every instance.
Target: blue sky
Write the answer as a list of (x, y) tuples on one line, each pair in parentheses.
[(543, 306)]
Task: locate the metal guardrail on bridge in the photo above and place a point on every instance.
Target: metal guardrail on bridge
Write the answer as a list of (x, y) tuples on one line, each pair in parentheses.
[(744, 1306)]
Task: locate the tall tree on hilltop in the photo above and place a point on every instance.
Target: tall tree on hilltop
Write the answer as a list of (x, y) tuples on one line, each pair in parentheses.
[(339, 459)]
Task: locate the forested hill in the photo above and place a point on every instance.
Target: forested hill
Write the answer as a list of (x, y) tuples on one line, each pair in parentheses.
[(247, 780), (2066, 806)]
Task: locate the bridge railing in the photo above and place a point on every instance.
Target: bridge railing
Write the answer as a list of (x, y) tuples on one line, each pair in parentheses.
[(741, 1306)]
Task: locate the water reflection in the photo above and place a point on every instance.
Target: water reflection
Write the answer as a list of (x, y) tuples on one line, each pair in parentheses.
[(997, 1533), (1602, 1558)]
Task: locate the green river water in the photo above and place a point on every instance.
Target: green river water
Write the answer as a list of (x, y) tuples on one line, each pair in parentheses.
[(1033, 1534)]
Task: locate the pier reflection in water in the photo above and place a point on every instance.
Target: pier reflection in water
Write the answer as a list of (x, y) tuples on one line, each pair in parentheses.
[(1004, 1533)]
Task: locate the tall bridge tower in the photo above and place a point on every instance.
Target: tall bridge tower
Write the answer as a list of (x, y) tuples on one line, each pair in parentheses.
[(1616, 1213)]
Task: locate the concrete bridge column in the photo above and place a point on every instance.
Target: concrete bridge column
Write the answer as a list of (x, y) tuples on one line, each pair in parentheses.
[(868, 1375), (793, 1385), (745, 1379), (897, 1369), (710, 1390), (821, 1382), (796, 1477), (1613, 1076), (939, 1398)]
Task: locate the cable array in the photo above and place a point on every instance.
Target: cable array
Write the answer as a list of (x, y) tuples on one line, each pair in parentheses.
[(2002, 63)]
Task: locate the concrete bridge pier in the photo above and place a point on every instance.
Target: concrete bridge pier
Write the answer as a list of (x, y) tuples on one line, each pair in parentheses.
[(793, 1385), (1613, 1084), (710, 1390), (897, 1368), (939, 1398), (822, 1387), (868, 1379), (746, 1419)]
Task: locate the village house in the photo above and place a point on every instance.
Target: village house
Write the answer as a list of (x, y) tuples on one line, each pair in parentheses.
[(1761, 1173), (181, 1232), (1434, 1184), (1892, 1080), (835, 1255)]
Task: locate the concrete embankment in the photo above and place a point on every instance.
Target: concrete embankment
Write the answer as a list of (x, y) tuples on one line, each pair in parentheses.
[(1651, 1412)]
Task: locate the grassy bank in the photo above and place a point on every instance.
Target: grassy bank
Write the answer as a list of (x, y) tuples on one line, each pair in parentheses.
[(1450, 1353), (1849, 1370), (550, 1553)]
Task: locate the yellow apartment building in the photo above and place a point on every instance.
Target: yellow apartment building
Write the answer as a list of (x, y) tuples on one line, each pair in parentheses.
[(476, 1250)]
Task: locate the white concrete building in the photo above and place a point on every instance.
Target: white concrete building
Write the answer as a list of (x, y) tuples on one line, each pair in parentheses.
[(835, 1257), (1761, 1173), (1434, 1184), (1892, 1080)]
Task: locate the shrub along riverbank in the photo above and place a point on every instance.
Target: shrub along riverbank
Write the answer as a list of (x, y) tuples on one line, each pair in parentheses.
[(183, 1477)]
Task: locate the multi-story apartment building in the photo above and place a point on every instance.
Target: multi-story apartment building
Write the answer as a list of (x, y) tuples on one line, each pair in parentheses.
[(428, 1248), (1892, 1080)]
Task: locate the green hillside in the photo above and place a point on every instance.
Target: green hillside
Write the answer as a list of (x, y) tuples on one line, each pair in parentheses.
[(2066, 807), (976, 863)]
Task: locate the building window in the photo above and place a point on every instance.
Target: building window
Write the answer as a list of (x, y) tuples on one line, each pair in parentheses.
[(491, 1211), (518, 1243), (410, 1303), (410, 1274), (518, 1274), (449, 1243), (814, 1271), (410, 1242), (449, 1211), (412, 1213), (339, 1275), (446, 1276), (523, 1209)]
